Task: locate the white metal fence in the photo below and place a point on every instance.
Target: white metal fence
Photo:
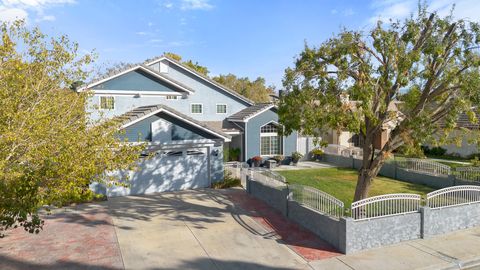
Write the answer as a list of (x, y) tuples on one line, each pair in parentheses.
[(267, 177), (451, 196), (385, 205), (467, 173), (318, 200), (423, 166)]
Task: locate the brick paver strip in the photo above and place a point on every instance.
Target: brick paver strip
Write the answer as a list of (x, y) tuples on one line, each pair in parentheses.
[(300, 240), (81, 238)]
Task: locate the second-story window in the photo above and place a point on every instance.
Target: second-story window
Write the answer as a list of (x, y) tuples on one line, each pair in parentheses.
[(196, 108), (107, 103), (221, 108)]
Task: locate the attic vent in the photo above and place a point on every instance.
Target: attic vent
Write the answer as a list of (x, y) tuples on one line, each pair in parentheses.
[(163, 67)]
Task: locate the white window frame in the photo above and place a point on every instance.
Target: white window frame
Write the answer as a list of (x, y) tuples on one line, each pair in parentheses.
[(174, 97), (221, 104), (100, 103), (272, 134), (191, 107)]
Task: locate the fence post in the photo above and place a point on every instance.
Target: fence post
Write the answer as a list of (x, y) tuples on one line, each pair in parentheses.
[(248, 184), (424, 221), (395, 166), (287, 200), (353, 162), (453, 179)]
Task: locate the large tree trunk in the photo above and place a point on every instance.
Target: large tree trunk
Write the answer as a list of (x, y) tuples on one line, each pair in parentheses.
[(370, 167), (365, 178)]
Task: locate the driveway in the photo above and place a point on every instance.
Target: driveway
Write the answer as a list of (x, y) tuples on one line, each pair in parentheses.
[(208, 229), (81, 237)]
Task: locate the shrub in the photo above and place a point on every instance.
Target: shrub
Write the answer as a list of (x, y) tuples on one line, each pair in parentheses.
[(228, 181), (257, 158), (296, 156), (234, 154), (84, 196), (278, 159), (434, 151), (317, 152)]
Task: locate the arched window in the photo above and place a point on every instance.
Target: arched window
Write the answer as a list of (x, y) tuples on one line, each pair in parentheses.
[(270, 141)]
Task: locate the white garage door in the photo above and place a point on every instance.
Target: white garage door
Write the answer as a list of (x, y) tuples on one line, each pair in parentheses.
[(169, 170)]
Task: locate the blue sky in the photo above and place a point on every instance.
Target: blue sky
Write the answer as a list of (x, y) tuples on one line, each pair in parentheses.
[(244, 37)]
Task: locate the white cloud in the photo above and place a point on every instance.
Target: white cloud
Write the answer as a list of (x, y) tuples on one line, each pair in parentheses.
[(168, 5), (400, 9), (49, 18), (155, 40), (12, 14), (333, 11), (348, 12), (141, 33), (21, 9), (196, 5)]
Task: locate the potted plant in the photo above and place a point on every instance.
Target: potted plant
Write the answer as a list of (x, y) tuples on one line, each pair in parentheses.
[(257, 160), (278, 159), (317, 154), (296, 156)]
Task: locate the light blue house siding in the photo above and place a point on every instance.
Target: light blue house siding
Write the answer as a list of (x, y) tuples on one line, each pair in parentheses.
[(142, 131), (252, 135), (135, 80), (205, 93)]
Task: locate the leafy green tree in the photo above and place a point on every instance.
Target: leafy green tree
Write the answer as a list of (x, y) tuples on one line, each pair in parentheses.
[(427, 65), (193, 65), (49, 149), (254, 90)]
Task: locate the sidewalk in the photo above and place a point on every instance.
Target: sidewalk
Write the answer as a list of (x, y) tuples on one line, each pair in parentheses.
[(304, 165), (457, 250)]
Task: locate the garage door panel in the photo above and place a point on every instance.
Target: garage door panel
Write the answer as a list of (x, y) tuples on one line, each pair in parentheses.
[(166, 172)]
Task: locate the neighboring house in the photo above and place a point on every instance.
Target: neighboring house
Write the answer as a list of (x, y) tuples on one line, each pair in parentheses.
[(351, 139), (466, 148), (188, 121)]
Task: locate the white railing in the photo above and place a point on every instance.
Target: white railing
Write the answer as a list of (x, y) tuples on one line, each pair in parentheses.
[(340, 150), (317, 200), (468, 173), (424, 166), (385, 205), (267, 177), (451, 196)]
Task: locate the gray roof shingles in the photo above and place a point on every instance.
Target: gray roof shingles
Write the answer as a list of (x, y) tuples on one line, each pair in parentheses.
[(139, 112), (248, 112)]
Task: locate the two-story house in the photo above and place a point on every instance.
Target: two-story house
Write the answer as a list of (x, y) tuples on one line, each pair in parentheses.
[(188, 120)]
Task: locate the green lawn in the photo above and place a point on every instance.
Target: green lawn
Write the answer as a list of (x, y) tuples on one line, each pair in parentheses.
[(341, 182)]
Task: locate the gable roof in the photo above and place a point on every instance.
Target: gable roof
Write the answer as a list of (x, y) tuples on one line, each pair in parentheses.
[(140, 113), (250, 112), (131, 68), (199, 75)]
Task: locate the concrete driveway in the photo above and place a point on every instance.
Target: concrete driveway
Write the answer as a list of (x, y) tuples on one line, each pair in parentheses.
[(196, 230)]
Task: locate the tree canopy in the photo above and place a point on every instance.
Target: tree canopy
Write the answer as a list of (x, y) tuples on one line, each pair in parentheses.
[(49, 149), (189, 63), (427, 66), (255, 90)]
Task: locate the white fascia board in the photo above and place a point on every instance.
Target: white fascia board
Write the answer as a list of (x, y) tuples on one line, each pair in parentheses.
[(194, 73), (253, 115), (132, 69), (134, 92), (226, 139)]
